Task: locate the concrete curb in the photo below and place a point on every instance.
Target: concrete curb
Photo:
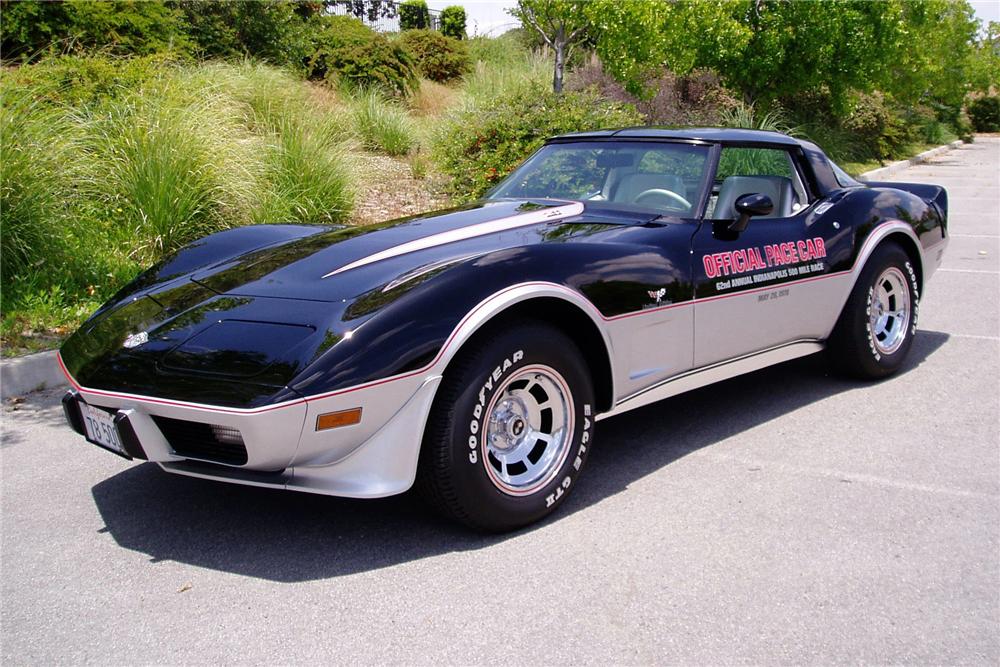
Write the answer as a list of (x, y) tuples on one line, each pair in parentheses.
[(31, 372), (890, 169)]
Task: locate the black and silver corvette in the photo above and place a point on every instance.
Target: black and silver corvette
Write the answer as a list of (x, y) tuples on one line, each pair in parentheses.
[(470, 351)]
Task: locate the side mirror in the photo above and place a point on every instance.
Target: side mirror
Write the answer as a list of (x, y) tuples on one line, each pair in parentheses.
[(748, 206)]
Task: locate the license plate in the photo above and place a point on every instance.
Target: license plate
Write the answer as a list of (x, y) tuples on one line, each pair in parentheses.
[(101, 429)]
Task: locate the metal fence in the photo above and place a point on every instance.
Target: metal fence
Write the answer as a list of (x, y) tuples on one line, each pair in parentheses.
[(379, 15)]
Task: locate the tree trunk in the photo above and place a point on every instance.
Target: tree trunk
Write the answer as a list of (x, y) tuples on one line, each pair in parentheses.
[(557, 75), (559, 45)]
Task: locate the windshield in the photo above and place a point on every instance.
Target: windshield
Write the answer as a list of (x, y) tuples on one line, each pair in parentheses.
[(664, 178)]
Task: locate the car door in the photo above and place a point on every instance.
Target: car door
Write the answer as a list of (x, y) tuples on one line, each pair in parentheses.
[(767, 285)]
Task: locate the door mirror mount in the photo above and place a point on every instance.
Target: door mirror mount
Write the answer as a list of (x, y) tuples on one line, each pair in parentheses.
[(749, 206)]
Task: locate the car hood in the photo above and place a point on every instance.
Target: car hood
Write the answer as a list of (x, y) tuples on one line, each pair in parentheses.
[(341, 264), (237, 331)]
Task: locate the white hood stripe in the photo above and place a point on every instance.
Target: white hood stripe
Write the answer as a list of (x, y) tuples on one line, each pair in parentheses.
[(463, 233)]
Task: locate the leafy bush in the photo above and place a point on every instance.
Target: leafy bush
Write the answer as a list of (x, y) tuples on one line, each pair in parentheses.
[(349, 51), (453, 22), (879, 129), (30, 28), (414, 15), (381, 125), (985, 113), (271, 30), (438, 58), (81, 81), (479, 145)]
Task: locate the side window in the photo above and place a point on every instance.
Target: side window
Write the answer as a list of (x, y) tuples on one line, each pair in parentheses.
[(768, 171)]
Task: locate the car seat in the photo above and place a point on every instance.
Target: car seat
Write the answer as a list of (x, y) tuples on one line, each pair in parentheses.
[(778, 188), (634, 184)]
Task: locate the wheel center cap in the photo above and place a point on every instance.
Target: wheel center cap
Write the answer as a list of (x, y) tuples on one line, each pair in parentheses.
[(517, 428)]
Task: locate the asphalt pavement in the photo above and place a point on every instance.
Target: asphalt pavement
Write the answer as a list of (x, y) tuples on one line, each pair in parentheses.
[(787, 516)]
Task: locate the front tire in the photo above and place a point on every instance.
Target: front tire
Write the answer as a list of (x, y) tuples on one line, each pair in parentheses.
[(876, 328), (510, 428)]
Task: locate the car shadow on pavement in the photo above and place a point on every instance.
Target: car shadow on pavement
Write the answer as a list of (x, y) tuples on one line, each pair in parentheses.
[(289, 537)]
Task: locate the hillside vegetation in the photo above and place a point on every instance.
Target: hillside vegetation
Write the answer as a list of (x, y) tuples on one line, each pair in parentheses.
[(113, 154)]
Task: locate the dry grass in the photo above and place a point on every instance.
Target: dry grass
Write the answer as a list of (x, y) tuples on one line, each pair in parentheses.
[(432, 99)]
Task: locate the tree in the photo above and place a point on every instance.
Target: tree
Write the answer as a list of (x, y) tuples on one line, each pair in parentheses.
[(453, 22), (936, 61), (636, 38), (984, 73), (561, 25), (414, 15)]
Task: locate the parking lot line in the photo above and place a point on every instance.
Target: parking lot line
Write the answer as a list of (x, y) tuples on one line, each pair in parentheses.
[(969, 271)]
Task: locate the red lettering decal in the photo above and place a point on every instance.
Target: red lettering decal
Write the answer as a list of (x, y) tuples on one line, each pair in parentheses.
[(711, 270), (769, 253), (803, 251), (789, 250), (740, 261), (820, 247), (727, 262)]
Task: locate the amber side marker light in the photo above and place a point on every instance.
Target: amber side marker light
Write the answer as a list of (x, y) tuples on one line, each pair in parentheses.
[(338, 419)]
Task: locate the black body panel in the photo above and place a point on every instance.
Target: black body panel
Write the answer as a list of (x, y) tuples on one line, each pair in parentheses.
[(261, 315)]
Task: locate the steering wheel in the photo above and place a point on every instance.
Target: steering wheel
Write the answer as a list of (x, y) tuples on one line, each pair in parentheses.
[(675, 201)]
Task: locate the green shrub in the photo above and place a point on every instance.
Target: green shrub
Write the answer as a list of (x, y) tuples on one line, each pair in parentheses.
[(985, 113), (437, 57), (347, 50), (478, 146), (31, 28), (81, 81), (267, 29), (414, 15), (453, 22), (382, 125), (877, 127)]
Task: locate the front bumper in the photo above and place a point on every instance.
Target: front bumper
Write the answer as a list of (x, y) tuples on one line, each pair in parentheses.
[(283, 448)]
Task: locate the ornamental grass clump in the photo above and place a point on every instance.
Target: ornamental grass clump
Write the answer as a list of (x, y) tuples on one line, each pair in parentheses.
[(382, 125), (36, 149)]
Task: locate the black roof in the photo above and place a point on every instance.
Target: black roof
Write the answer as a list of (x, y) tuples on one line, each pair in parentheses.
[(709, 134)]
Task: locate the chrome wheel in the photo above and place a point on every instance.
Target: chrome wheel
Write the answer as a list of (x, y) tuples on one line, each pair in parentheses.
[(889, 311), (529, 428)]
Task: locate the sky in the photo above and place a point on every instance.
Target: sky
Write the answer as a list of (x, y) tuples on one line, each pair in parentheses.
[(482, 17), (488, 17)]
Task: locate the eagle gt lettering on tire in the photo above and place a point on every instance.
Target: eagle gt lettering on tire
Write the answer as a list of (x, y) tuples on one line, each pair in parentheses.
[(510, 429)]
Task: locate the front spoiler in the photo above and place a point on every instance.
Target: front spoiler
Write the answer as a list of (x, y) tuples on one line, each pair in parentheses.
[(383, 465), (284, 448)]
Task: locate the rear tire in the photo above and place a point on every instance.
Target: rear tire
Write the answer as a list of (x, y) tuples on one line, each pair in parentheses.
[(876, 327), (510, 428)]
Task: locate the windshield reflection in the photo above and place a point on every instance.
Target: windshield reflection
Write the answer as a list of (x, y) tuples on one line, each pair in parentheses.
[(664, 178)]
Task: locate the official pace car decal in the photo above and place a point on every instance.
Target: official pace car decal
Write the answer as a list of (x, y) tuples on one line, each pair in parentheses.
[(790, 259)]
